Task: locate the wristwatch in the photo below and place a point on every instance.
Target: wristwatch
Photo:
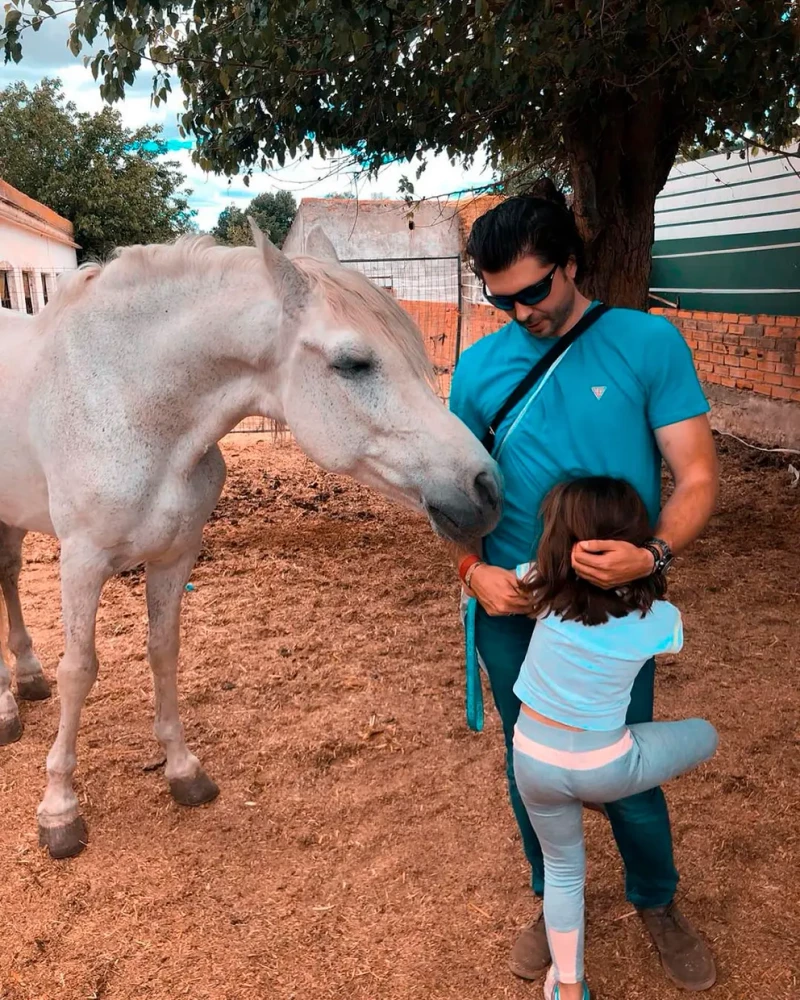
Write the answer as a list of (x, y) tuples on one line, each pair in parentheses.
[(661, 552)]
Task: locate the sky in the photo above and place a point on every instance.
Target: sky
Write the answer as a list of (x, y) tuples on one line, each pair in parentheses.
[(45, 53)]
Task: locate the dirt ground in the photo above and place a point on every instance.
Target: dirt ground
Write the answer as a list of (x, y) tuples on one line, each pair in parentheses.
[(362, 846)]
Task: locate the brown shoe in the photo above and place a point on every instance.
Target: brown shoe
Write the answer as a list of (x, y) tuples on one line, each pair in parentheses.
[(531, 952), (686, 958)]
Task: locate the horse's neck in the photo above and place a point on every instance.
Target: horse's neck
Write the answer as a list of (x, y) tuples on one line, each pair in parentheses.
[(12, 322), (201, 352)]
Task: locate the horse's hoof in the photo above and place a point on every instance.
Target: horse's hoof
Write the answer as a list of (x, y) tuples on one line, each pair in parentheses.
[(64, 841), (10, 730), (193, 791), (34, 688)]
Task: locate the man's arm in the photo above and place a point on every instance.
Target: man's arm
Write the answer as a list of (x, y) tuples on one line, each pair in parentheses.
[(688, 449), (496, 589)]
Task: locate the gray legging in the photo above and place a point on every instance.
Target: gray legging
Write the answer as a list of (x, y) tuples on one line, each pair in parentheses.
[(558, 769)]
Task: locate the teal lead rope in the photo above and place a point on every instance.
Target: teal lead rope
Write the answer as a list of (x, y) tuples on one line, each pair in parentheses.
[(474, 692)]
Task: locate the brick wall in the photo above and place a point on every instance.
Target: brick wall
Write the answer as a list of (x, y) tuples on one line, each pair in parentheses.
[(478, 321), (438, 322), (758, 354), (752, 354)]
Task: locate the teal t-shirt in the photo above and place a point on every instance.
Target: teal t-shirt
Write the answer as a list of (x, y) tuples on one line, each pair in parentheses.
[(595, 415)]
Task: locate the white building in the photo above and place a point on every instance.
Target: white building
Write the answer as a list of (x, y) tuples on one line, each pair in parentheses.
[(36, 245), (728, 234)]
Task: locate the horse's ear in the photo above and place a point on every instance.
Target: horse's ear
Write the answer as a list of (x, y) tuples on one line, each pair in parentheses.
[(318, 245), (288, 280)]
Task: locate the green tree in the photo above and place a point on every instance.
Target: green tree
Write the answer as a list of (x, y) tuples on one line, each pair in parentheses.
[(525, 176), (609, 91), (232, 227), (112, 183), (274, 214)]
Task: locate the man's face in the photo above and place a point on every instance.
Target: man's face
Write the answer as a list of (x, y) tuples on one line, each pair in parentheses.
[(548, 317)]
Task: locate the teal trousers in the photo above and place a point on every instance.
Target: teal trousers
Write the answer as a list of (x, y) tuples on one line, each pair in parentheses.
[(640, 823)]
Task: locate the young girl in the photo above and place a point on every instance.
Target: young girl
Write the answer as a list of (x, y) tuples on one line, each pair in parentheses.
[(571, 744)]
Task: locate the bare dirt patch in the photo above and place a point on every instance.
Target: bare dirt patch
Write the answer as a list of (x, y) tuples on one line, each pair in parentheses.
[(362, 846)]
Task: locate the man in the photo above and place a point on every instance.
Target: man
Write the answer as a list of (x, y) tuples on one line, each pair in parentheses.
[(620, 399)]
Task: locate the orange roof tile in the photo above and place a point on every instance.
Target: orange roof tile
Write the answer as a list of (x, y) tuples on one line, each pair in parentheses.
[(35, 208)]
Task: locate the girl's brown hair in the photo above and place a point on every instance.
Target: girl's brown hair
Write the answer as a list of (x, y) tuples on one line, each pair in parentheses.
[(596, 507)]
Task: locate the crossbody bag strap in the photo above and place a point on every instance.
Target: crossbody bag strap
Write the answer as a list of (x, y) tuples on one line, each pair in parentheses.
[(542, 365)]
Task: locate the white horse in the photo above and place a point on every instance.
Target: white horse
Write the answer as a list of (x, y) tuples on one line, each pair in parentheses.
[(112, 400)]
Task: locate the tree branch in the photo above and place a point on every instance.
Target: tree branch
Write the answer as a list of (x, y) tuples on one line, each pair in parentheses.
[(767, 148)]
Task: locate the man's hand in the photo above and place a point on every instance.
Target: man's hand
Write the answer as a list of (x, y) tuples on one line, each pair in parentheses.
[(498, 592), (611, 564)]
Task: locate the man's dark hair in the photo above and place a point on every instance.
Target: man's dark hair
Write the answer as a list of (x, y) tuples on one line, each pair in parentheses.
[(540, 225), (579, 511)]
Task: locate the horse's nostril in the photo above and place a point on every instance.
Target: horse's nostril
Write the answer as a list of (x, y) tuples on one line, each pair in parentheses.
[(487, 489)]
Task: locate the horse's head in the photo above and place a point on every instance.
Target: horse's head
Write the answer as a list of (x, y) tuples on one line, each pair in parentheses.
[(356, 392)]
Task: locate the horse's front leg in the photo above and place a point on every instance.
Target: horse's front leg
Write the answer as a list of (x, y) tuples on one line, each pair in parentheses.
[(31, 682), (84, 571), (188, 782)]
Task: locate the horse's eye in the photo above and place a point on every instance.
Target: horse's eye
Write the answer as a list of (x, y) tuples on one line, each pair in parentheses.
[(351, 367)]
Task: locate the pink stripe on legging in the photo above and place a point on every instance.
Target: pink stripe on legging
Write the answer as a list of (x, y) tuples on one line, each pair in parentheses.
[(564, 948), (572, 760)]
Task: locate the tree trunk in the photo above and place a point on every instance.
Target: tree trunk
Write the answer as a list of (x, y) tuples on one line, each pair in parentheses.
[(619, 161)]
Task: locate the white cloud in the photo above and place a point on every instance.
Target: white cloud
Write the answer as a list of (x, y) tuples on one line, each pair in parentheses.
[(46, 54)]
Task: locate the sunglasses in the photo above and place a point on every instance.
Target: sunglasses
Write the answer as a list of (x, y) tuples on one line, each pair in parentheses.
[(530, 296)]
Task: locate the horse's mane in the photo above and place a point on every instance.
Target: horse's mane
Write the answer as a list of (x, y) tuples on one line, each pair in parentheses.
[(351, 297), (128, 266)]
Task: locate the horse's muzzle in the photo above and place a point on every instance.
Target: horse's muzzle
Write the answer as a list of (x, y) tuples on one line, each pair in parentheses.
[(463, 516)]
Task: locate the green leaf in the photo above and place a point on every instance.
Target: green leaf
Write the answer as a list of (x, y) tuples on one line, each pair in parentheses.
[(114, 192), (402, 78)]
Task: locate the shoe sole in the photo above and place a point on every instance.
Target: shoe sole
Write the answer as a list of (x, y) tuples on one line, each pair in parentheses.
[(527, 973), (701, 987), (696, 988)]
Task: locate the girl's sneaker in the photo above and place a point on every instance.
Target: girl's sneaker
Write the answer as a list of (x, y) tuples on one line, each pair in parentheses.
[(551, 990)]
